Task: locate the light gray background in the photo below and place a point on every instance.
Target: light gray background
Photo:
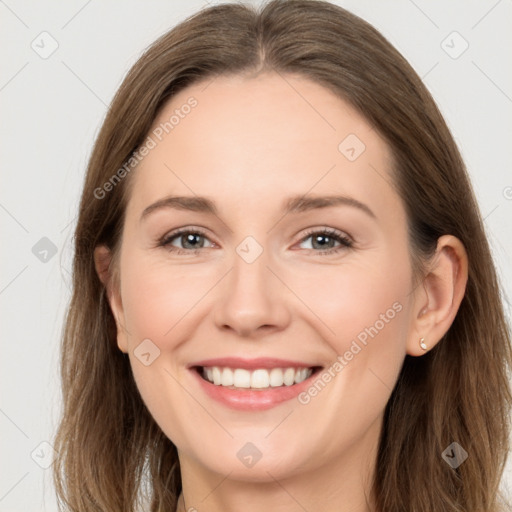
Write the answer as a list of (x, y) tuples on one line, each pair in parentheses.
[(52, 109)]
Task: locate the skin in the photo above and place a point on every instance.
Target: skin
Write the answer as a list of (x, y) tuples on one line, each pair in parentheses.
[(251, 143)]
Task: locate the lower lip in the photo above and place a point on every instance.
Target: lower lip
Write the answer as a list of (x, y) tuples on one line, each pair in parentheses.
[(249, 399)]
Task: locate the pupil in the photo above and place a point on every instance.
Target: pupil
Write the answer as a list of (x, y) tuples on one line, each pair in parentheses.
[(325, 239), (190, 239)]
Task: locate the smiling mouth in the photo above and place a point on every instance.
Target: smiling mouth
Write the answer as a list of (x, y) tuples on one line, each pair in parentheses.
[(258, 379)]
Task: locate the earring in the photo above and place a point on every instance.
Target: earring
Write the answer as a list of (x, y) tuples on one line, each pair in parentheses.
[(423, 345)]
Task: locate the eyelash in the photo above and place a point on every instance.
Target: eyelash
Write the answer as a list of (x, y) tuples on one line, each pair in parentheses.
[(338, 236)]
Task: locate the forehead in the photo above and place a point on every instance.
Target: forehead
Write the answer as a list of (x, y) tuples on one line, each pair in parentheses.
[(249, 139)]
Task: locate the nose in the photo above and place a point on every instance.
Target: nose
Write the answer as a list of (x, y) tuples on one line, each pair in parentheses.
[(253, 302)]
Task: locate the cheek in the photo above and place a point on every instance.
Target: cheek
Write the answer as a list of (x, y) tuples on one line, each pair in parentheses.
[(363, 311), (361, 300), (158, 296), (363, 315), (158, 302)]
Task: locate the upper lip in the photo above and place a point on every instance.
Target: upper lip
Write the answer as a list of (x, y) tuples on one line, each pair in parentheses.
[(253, 364)]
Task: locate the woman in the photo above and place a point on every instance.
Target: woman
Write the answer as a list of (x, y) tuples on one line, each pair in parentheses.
[(283, 294)]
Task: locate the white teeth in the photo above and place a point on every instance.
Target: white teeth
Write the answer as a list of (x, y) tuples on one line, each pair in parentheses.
[(256, 379), (301, 374), (241, 378), (260, 379), (227, 377), (216, 375), (276, 377), (289, 376)]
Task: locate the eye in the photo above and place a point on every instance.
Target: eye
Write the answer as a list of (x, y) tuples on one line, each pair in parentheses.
[(326, 241), (189, 241), (185, 241)]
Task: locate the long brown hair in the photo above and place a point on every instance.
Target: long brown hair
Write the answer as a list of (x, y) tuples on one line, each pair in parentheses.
[(110, 450)]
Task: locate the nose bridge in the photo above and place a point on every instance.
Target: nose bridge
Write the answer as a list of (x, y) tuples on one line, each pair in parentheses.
[(251, 296)]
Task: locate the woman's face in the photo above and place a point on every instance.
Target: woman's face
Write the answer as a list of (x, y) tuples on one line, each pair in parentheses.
[(292, 255)]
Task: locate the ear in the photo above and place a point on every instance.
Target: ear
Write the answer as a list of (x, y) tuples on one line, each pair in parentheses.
[(438, 300), (103, 264)]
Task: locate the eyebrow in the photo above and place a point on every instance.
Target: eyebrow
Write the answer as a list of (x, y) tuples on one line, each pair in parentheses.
[(296, 204)]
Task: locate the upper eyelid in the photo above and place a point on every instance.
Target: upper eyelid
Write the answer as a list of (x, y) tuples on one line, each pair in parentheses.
[(181, 231)]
